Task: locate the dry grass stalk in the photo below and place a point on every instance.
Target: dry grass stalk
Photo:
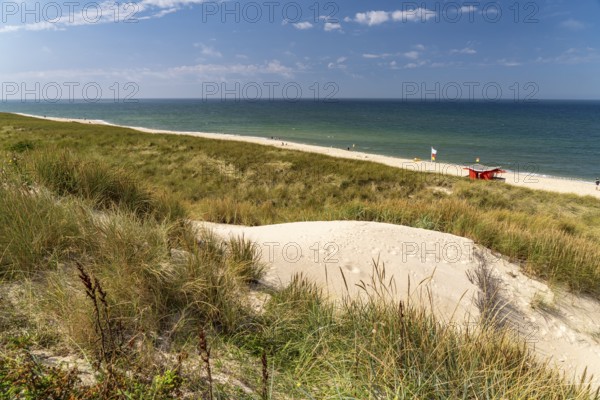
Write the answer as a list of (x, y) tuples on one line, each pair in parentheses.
[(204, 351)]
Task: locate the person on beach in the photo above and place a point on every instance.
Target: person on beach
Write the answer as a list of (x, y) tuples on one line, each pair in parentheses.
[(597, 183)]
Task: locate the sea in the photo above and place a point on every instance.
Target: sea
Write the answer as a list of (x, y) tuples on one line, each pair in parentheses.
[(548, 137)]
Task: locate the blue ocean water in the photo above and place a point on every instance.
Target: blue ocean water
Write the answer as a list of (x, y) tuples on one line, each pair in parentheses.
[(558, 138)]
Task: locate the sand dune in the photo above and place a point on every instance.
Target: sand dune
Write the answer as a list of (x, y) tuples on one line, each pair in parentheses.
[(561, 328)]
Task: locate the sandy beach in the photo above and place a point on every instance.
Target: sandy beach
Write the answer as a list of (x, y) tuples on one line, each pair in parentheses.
[(516, 178)]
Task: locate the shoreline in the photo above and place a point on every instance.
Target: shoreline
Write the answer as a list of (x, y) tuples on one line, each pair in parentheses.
[(522, 179)]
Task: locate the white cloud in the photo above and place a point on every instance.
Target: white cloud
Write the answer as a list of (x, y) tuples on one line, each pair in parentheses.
[(208, 51), (80, 75), (419, 47), (413, 55), (466, 50), (332, 26), (372, 18), (301, 66), (338, 64), (222, 71), (102, 13), (185, 75), (327, 18), (572, 24), (162, 13), (413, 65), (169, 3), (36, 26), (573, 56), (303, 25), (275, 67), (508, 63), (468, 9)]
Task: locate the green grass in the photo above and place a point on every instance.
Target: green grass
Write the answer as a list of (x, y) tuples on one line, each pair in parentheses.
[(378, 348), (554, 236), (106, 187), (103, 276), (112, 211), (33, 231)]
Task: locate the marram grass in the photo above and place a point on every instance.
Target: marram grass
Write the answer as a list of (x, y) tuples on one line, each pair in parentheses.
[(81, 224), (553, 236)]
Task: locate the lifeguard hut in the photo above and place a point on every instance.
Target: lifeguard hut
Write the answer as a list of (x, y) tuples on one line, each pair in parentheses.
[(478, 171)]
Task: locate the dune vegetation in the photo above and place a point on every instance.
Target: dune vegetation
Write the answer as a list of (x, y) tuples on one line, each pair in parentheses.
[(101, 269)]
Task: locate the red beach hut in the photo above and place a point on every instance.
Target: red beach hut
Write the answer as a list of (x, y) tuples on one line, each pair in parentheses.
[(478, 171)]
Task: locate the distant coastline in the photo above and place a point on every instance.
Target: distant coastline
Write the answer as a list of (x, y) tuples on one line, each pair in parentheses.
[(529, 180), (545, 138)]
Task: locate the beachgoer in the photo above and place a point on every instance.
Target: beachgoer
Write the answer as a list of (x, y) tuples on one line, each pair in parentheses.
[(597, 183)]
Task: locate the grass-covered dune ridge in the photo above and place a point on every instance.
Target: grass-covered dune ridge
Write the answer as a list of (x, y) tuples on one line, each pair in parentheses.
[(554, 236), (121, 279)]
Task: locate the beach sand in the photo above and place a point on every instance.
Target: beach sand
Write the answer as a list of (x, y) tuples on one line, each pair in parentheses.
[(429, 268), (517, 178)]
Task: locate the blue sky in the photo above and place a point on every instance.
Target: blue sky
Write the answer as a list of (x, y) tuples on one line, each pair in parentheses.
[(261, 49)]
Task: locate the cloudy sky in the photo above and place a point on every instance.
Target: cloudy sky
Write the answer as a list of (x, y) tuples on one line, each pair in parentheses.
[(546, 49)]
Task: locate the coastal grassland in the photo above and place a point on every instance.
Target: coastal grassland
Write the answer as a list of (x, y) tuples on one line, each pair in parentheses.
[(98, 265), (553, 236), (116, 276)]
